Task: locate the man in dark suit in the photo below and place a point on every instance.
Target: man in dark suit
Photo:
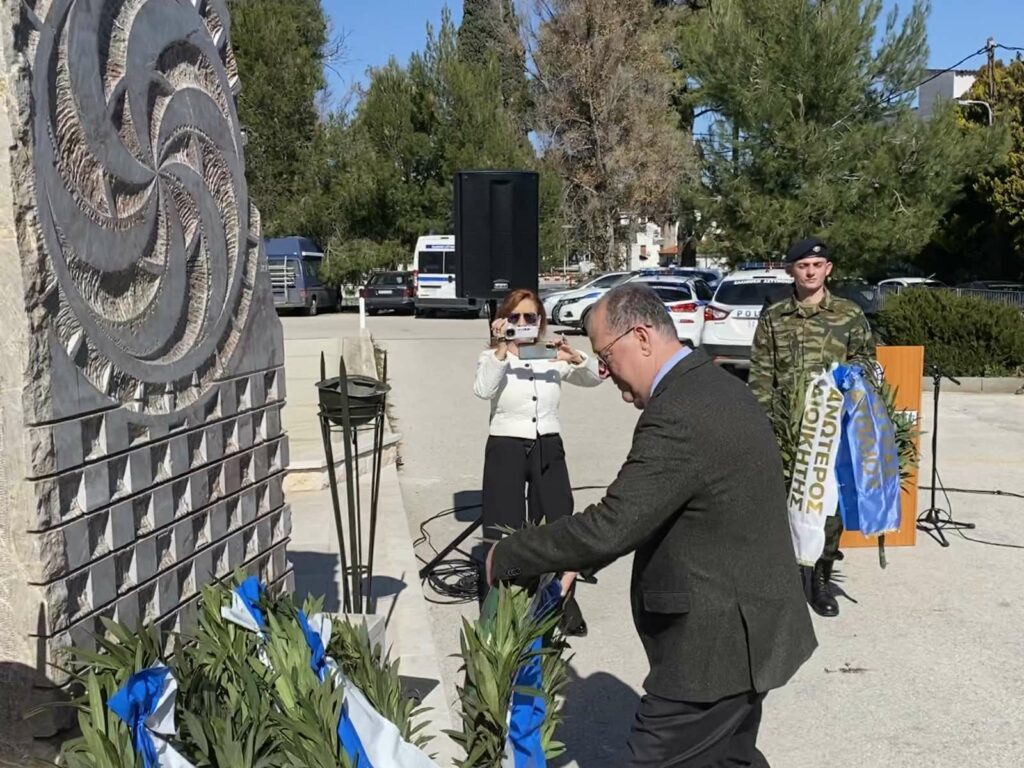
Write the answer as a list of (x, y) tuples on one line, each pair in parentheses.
[(716, 599)]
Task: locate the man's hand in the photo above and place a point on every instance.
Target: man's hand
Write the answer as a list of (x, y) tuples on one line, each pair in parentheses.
[(490, 566), (567, 580)]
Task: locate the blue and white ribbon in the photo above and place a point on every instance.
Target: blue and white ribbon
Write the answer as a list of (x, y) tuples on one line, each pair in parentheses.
[(527, 711), (317, 630), (245, 610), (868, 465), (146, 704), (376, 741), (813, 492), (369, 739)]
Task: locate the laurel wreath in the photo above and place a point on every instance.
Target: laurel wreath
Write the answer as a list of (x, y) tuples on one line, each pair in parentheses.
[(235, 710)]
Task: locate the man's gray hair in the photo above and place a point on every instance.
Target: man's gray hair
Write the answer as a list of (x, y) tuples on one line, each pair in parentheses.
[(633, 304)]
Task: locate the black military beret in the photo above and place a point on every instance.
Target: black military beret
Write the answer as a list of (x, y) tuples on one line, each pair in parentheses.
[(811, 247)]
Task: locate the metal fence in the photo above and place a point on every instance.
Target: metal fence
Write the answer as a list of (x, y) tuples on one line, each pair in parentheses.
[(872, 298), (1009, 298)]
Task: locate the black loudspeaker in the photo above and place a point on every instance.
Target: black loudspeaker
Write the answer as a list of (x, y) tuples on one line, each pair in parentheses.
[(496, 232)]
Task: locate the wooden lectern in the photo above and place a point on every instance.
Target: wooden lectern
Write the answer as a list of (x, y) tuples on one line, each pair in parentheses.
[(904, 370)]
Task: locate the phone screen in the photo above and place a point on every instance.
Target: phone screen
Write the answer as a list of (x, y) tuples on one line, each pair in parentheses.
[(538, 351)]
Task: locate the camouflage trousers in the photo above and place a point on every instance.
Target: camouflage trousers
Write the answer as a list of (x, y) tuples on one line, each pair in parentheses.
[(833, 530)]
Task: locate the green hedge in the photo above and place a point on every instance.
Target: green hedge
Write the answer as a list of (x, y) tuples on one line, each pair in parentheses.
[(963, 335)]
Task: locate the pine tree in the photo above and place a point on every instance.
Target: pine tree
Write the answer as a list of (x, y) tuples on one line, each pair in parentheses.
[(1003, 187), (415, 126), (490, 30), (815, 131), (279, 48), (479, 30), (982, 237)]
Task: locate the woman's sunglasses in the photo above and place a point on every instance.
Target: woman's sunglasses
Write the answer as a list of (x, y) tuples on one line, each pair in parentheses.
[(531, 318)]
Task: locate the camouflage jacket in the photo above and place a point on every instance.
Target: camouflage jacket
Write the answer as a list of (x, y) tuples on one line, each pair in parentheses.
[(793, 340)]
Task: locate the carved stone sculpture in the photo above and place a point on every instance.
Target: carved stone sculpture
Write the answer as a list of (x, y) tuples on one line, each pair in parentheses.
[(141, 449)]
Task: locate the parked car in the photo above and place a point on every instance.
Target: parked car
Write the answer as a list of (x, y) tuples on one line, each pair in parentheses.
[(685, 307), (294, 266), (910, 282), (862, 293), (592, 289), (572, 311), (394, 291), (731, 318), (701, 289), (710, 276)]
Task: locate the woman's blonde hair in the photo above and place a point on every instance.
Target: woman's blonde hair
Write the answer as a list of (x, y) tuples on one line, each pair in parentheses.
[(512, 299)]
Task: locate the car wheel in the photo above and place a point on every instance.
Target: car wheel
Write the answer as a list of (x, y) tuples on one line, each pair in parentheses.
[(311, 309), (583, 319)]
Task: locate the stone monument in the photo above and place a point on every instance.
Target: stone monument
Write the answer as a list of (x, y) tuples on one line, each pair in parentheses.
[(141, 366)]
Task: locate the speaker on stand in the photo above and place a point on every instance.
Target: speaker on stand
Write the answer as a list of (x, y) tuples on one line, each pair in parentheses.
[(497, 239), (497, 232)]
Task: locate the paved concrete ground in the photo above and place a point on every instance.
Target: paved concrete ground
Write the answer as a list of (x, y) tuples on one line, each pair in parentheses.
[(923, 666)]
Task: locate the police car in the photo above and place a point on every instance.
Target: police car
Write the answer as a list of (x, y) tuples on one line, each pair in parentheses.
[(731, 318), (581, 297), (685, 303)]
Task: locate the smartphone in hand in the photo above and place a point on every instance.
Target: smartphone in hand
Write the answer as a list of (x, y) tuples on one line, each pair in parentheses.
[(538, 351)]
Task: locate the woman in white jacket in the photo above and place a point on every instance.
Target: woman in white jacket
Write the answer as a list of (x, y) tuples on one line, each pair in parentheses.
[(524, 464)]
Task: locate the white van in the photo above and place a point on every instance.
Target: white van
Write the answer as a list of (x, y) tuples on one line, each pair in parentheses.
[(731, 318), (435, 267)]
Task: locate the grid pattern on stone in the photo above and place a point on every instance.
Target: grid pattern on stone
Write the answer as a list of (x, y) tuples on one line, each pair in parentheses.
[(146, 452), (144, 518)]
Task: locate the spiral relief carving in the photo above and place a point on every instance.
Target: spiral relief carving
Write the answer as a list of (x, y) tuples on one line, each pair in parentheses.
[(142, 206)]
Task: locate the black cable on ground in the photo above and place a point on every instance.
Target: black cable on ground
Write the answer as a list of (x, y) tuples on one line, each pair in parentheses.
[(457, 578), (974, 490), (949, 514)]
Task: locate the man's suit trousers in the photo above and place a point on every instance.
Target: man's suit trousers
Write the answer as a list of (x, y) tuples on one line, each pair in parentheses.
[(680, 734)]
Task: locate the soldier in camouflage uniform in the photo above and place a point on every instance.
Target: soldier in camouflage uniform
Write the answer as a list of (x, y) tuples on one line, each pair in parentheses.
[(795, 340)]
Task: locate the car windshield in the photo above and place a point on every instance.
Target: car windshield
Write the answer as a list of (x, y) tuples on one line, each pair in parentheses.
[(709, 276), (606, 281), (752, 293), (673, 293), (388, 278)]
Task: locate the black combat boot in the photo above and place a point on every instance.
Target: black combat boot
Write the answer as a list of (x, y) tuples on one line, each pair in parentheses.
[(821, 599)]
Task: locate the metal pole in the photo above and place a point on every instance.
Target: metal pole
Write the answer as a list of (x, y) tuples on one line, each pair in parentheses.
[(332, 480), (378, 460), (346, 421), (359, 504), (990, 45), (378, 448)]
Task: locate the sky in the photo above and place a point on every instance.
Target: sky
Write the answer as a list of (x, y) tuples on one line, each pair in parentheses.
[(378, 29)]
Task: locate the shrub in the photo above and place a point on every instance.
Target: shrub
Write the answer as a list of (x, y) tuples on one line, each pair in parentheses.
[(962, 335)]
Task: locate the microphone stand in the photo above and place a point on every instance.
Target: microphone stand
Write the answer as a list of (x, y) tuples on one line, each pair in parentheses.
[(934, 519)]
